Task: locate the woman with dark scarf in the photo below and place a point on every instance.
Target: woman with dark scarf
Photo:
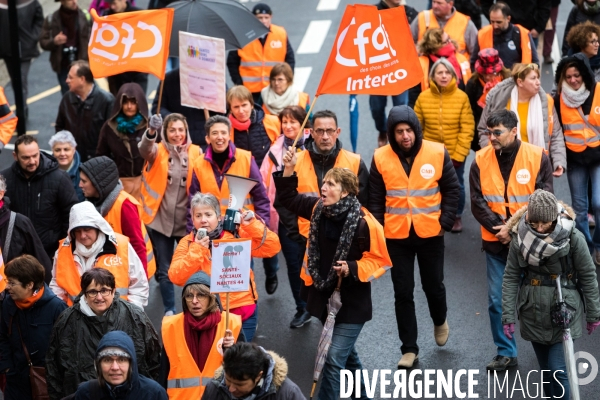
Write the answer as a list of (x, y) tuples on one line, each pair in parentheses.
[(120, 135), (346, 250), (193, 254), (205, 337)]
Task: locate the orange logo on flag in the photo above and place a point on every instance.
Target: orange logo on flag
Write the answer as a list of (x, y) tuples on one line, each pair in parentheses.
[(373, 53), (132, 41)]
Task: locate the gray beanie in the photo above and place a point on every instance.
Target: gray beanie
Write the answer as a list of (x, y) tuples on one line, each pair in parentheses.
[(542, 207)]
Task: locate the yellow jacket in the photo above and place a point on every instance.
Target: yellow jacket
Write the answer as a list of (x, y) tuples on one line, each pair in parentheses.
[(447, 118)]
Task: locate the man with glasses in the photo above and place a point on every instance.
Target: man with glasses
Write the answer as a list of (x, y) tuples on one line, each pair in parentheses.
[(502, 178)]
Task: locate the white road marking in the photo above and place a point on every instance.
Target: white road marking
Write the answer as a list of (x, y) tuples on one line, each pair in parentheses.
[(152, 95), (328, 5), (301, 75), (40, 96), (314, 37)]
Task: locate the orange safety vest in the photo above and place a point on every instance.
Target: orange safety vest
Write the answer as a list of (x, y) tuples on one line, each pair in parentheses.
[(8, 119), (455, 28), (155, 178), (185, 380), (208, 184), (114, 219), (485, 37), (307, 177), (272, 127), (581, 132), (67, 274), (465, 69), (303, 100), (257, 60), (414, 199), (521, 183)]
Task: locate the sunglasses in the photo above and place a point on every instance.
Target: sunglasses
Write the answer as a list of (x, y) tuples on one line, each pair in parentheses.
[(495, 132)]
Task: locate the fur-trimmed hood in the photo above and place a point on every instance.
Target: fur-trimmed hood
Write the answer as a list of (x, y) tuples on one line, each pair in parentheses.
[(513, 222), (279, 371)]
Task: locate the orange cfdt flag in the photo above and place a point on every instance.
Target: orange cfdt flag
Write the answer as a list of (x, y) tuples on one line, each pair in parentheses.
[(373, 53), (132, 41)]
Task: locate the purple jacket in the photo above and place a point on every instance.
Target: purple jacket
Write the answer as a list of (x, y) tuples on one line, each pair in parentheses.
[(258, 192)]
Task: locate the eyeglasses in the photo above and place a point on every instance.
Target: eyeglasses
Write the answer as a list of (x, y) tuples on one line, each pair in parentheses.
[(279, 80), (543, 225), (495, 132), (595, 41), (11, 283), (533, 66), (110, 361), (321, 132), (92, 294), (192, 296)]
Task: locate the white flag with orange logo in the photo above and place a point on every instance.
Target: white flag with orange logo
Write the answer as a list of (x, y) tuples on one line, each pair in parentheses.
[(373, 53), (133, 41)]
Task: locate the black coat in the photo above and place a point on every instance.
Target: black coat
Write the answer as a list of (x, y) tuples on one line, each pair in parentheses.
[(255, 139), (411, 13), (75, 337), (84, 119), (31, 19), (24, 239), (532, 14), (45, 198), (474, 90), (355, 295), (36, 325)]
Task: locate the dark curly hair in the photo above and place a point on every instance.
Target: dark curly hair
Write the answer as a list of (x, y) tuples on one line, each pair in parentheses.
[(578, 36)]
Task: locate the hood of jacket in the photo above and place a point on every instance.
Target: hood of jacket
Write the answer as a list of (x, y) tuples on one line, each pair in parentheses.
[(162, 138), (103, 174), (131, 89), (122, 340), (85, 214), (513, 222), (277, 372), (583, 65), (407, 115), (47, 164)]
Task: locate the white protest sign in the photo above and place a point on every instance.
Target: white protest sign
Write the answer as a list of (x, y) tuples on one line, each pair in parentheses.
[(202, 71), (230, 271)]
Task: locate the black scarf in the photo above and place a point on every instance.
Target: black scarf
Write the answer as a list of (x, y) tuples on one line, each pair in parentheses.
[(348, 204)]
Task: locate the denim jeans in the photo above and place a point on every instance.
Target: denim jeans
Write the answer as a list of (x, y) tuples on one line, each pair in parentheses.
[(271, 266), (62, 80), (460, 174), (341, 355), (377, 105), (495, 272), (249, 325), (164, 247), (552, 358), (294, 255), (578, 176)]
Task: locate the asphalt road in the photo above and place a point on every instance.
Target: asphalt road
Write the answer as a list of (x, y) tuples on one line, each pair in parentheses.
[(470, 345)]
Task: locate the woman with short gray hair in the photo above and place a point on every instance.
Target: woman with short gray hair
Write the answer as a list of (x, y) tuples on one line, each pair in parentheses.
[(64, 149)]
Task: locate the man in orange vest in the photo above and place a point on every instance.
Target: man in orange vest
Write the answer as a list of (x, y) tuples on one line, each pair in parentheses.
[(8, 120), (513, 42), (251, 66), (512, 171), (414, 193), (444, 15), (99, 182)]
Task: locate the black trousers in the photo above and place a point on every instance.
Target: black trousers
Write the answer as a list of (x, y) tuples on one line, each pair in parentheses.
[(430, 255)]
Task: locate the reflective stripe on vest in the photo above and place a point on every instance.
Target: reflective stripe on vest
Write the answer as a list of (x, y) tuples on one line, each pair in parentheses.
[(258, 60), (455, 27), (67, 272), (485, 38), (208, 184), (185, 380), (581, 132), (413, 200), (114, 219), (155, 178), (521, 183), (307, 177), (465, 69)]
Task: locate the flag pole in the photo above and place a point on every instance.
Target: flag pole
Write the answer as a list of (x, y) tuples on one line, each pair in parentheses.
[(227, 310), (301, 132), (206, 114), (162, 85)]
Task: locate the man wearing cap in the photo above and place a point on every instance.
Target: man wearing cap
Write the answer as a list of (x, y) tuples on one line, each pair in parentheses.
[(513, 42), (512, 171), (251, 66)]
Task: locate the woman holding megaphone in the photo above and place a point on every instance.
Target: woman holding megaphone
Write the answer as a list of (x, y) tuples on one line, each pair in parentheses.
[(193, 253)]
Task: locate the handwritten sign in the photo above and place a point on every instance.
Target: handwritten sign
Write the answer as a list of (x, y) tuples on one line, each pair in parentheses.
[(231, 260)]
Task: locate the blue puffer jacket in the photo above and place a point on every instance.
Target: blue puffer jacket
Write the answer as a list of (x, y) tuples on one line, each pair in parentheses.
[(137, 387)]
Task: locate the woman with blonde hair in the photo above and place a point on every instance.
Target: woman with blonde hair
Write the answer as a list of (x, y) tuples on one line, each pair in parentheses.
[(523, 94), (446, 117), (281, 93)]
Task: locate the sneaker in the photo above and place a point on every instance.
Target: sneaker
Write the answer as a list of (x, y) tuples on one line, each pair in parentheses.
[(302, 317), (501, 363), (271, 284), (457, 227), (591, 221), (441, 333), (169, 313), (548, 60), (408, 360)]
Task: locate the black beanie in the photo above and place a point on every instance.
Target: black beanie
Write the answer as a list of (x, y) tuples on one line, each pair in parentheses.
[(103, 174)]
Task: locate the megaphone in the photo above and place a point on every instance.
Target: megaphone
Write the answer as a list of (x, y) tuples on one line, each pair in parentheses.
[(239, 187)]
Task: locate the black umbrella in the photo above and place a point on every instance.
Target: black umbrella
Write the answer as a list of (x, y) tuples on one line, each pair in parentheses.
[(225, 19)]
